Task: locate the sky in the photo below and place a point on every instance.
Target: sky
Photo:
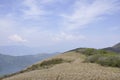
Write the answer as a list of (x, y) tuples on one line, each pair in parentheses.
[(59, 25)]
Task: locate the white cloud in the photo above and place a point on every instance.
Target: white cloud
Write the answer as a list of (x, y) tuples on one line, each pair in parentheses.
[(32, 9), (85, 13), (35, 8), (7, 25), (6, 22), (16, 38), (47, 1), (67, 37), (52, 1)]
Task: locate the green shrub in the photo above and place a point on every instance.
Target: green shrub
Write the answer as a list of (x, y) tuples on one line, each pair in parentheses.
[(89, 51), (93, 58), (102, 57), (51, 62), (47, 64), (105, 59), (113, 61), (92, 51), (86, 51)]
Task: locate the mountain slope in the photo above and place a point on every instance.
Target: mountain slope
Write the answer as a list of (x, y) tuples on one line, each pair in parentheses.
[(10, 64), (70, 66), (115, 48)]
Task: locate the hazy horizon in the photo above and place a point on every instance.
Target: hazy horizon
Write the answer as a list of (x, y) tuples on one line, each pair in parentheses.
[(59, 25), (11, 50)]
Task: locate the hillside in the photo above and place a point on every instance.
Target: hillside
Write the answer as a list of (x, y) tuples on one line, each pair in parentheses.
[(70, 65), (115, 48), (10, 64)]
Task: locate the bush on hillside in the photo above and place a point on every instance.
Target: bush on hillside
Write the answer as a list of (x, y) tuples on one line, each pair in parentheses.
[(92, 51), (89, 51), (51, 62), (113, 61), (93, 58), (102, 57), (47, 64), (105, 59)]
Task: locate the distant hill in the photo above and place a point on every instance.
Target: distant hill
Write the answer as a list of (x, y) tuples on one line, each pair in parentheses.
[(18, 50), (115, 48), (10, 64)]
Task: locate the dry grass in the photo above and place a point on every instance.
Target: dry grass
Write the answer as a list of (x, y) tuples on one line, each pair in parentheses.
[(76, 70)]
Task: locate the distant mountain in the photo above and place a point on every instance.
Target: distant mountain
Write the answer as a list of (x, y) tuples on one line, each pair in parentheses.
[(115, 48), (18, 50), (10, 64)]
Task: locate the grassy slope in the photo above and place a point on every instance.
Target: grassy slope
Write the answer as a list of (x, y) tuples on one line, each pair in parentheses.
[(76, 70)]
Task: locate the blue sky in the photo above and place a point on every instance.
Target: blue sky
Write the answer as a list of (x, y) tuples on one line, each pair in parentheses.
[(58, 25)]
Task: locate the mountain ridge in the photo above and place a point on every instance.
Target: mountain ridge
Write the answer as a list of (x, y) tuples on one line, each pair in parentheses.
[(114, 48), (10, 64)]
